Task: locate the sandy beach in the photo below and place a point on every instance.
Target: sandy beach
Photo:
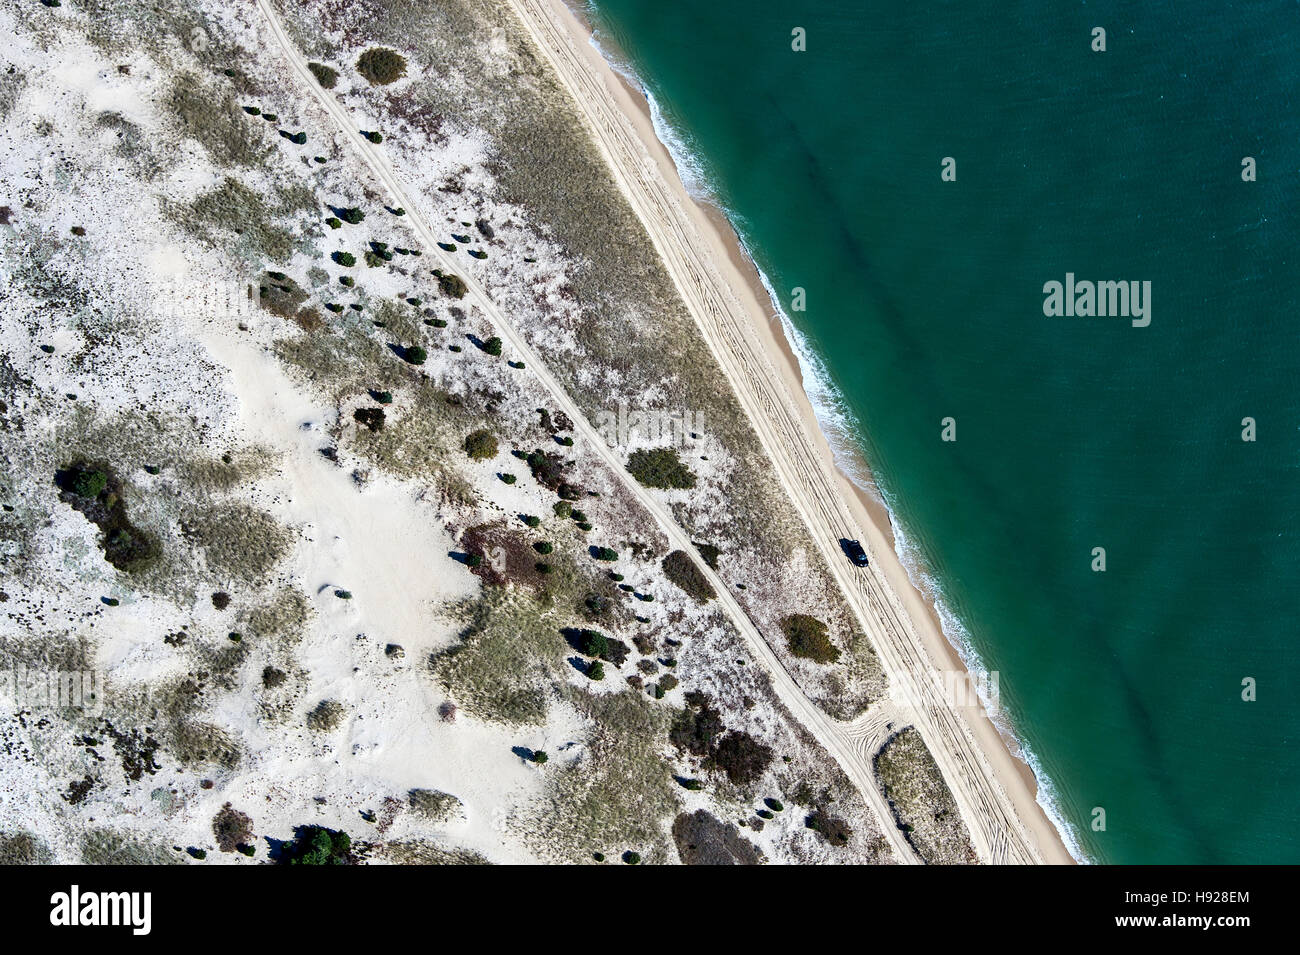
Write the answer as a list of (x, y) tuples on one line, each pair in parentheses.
[(995, 790)]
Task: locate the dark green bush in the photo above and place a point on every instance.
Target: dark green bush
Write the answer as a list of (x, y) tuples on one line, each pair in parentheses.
[(415, 355), (316, 845), (326, 76), (372, 418), (481, 445), (345, 259), (354, 216), (452, 285), (381, 66), (681, 570), (660, 467), (808, 638), (492, 346), (741, 757)]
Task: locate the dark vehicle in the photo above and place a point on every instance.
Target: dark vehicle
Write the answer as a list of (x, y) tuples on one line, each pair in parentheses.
[(854, 552)]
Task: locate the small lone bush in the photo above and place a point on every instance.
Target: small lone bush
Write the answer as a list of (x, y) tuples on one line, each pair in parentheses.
[(682, 571), (493, 346), (381, 66), (345, 259), (326, 76), (808, 638), (481, 444), (452, 285), (415, 355), (661, 468)]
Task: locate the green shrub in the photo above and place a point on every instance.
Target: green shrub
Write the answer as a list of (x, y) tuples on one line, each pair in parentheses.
[(381, 66), (743, 758), (562, 509), (540, 757), (808, 638), (326, 76), (493, 346), (316, 845), (544, 547), (834, 830), (372, 418), (334, 222), (709, 553), (353, 216), (604, 553), (345, 259), (415, 355), (508, 479), (660, 467), (596, 671), (632, 858), (593, 643), (682, 571), (89, 483), (532, 520), (481, 445), (452, 285)]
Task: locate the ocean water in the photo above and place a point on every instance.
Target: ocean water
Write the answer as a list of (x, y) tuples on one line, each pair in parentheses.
[(925, 301)]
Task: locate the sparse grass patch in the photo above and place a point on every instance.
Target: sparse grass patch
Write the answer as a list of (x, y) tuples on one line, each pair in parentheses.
[(238, 540), (620, 792), (506, 660), (921, 801)]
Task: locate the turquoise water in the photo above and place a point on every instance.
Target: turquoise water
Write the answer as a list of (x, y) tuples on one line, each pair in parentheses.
[(925, 301)]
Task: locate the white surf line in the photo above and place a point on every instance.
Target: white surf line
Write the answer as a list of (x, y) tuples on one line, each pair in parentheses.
[(997, 832), (823, 729)]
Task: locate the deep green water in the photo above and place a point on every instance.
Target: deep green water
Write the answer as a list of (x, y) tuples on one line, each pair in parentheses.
[(925, 300)]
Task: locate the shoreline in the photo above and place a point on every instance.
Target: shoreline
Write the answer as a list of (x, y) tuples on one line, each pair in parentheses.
[(1012, 778)]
